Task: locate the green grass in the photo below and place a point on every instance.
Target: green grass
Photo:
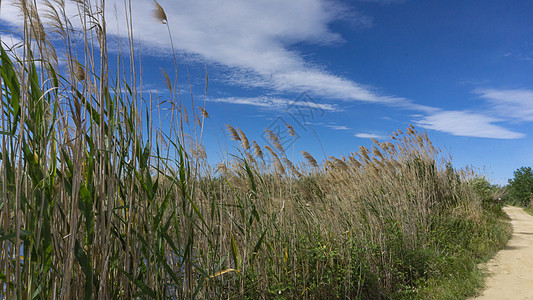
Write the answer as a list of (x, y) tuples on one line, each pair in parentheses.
[(467, 249)]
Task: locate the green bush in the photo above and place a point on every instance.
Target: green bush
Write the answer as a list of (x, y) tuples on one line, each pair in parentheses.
[(457, 246), (491, 195), (520, 188)]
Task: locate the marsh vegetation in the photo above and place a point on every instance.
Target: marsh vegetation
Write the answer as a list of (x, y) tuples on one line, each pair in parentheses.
[(100, 200)]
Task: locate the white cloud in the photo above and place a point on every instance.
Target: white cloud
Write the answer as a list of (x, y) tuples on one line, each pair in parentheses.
[(255, 39), (338, 127), (370, 136), (328, 85), (275, 103), (252, 37), (10, 41), (510, 104), (461, 123), (505, 106)]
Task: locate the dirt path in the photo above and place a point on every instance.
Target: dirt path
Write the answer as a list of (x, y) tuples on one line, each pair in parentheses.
[(512, 267)]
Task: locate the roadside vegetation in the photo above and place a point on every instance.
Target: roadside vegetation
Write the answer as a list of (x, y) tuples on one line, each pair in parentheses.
[(519, 191), (100, 200)]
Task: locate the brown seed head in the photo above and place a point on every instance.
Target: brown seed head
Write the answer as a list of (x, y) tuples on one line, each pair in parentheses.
[(204, 112), (310, 159), (233, 133), (244, 140), (275, 140), (77, 70), (290, 129), (159, 13), (257, 150), (291, 166)]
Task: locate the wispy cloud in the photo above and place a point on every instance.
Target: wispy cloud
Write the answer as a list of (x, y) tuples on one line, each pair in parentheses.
[(337, 127), (370, 136), (254, 37), (514, 104), (526, 57), (462, 123), (505, 106), (275, 103)]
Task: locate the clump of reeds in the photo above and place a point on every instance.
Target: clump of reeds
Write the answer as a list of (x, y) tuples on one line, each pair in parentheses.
[(93, 206)]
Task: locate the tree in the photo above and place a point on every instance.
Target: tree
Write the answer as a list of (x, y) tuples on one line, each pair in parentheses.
[(520, 188)]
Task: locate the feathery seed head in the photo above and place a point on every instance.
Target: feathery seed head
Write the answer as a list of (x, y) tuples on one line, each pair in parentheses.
[(250, 157), (420, 141), (291, 166), (198, 121), (290, 129), (77, 69), (277, 162), (204, 112), (167, 79), (310, 159), (354, 162), (279, 166), (376, 152), (233, 133), (221, 167), (257, 150), (340, 164), (185, 115), (275, 140), (271, 151), (363, 152), (159, 13), (244, 140)]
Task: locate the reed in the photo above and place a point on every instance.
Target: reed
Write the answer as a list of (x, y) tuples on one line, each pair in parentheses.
[(99, 200)]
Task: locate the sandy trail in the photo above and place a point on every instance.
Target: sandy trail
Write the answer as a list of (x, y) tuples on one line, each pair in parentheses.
[(512, 268)]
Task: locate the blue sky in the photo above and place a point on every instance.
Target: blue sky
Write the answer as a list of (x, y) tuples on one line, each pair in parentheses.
[(343, 71)]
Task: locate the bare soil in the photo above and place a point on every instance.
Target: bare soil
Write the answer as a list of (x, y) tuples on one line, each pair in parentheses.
[(511, 270)]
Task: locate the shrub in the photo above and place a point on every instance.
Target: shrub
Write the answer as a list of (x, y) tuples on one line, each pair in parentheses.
[(520, 188)]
